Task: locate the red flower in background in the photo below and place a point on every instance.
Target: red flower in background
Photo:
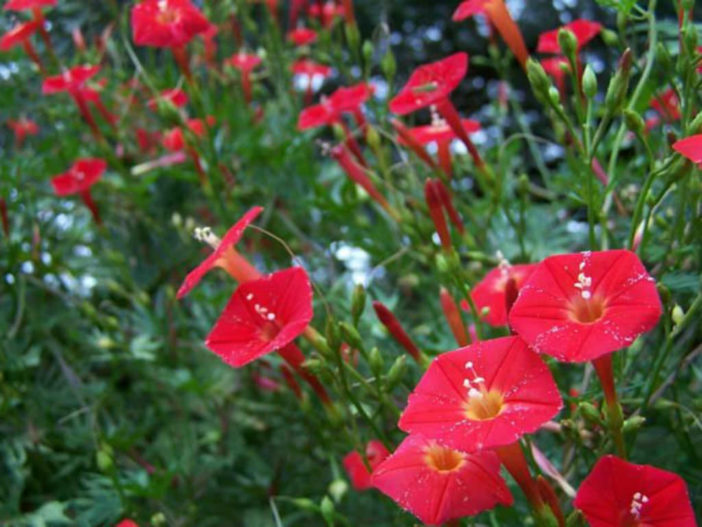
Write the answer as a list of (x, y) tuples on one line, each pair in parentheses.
[(302, 36), (491, 291), (667, 105), (308, 71), (432, 84), (166, 23), (262, 316), (18, 35), (22, 127), (584, 31), (358, 473), (327, 13), (82, 175), (438, 484), (577, 307), (21, 5), (174, 96), (498, 15), (72, 80), (245, 63), (690, 147), (221, 253), (557, 68), (442, 134), (127, 523), (485, 395), (174, 139), (621, 494)]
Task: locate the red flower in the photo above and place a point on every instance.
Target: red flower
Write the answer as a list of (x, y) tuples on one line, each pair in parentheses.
[(327, 13), (343, 100), (499, 16), (72, 80), (621, 494), (356, 469), (80, 177), (577, 307), (166, 23), (262, 316), (667, 105), (690, 147), (127, 523), (18, 34), (244, 61), (485, 395), (219, 257), (174, 96), (557, 67), (438, 484), (490, 292), (22, 127), (308, 70), (21, 5), (584, 32), (430, 84), (389, 320), (174, 140), (302, 36)]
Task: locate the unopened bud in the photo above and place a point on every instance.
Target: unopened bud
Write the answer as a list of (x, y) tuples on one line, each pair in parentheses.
[(609, 37), (358, 303), (633, 423), (158, 519), (539, 79), (373, 138), (351, 335), (397, 372), (690, 39), (589, 412), (663, 57), (634, 122), (375, 361), (367, 51), (619, 85), (664, 292), (331, 331), (554, 96), (677, 314), (589, 82), (337, 489), (568, 42), (326, 507), (388, 64)]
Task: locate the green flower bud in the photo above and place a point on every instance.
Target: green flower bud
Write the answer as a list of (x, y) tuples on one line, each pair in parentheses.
[(609, 37), (388, 64), (373, 138), (663, 57), (353, 37), (690, 39), (368, 51), (376, 362), (619, 85), (664, 293), (331, 331), (358, 303), (677, 314), (589, 82), (634, 122), (633, 423), (589, 412), (568, 43), (158, 519), (337, 489), (539, 79), (104, 460), (351, 335), (397, 372), (554, 96)]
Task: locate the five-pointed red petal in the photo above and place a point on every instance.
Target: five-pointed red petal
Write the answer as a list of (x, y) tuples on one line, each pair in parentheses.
[(577, 307), (262, 316), (80, 177), (302, 36), (18, 34), (430, 84), (690, 147), (438, 484), (441, 131), (617, 493), (166, 23), (501, 375), (230, 239), (71, 80), (490, 291)]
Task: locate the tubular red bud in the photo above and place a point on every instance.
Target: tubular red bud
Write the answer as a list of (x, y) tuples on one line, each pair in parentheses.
[(294, 357), (393, 325), (4, 218), (290, 380), (549, 496), (447, 202), (434, 202), (356, 173), (453, 317)]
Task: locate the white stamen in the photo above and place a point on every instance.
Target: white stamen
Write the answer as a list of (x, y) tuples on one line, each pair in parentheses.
[(249, 296), (271, 316)]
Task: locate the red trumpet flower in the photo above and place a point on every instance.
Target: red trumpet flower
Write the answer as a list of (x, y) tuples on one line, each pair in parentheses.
[(127, 523), (691, 148), (584, 31), (389, 320), (667, 105), (621, 494), (262, 315), (73, 81), (168, 24), (453, 317), (442, 134), (20, 35), (485, 395), (245, 63), (80, 177), (224, 256), (498, 15), (491, 291), (302, 36), (577, 307), (327, 13), (432, 195), (438, 484), (432, 84), (360, 476), (174, 96), (22, 127), (309, 74), (208, 39), (4, 218), (406, 138), (174, 140)]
